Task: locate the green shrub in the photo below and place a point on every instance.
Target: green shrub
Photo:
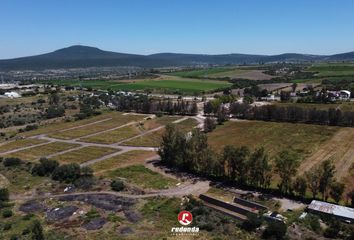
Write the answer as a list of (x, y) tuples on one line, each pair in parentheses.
[(7, 213), (9, 162), (275, 230), (117, 185)]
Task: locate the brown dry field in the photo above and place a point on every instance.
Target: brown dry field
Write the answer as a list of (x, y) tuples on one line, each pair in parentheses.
[(245, 74)]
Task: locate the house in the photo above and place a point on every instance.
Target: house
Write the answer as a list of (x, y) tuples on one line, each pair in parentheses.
[(343, 213)]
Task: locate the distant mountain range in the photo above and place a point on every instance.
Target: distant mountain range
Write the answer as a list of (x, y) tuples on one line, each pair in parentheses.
[(82, 56)]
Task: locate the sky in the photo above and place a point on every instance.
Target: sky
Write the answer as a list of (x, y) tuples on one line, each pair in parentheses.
[(183, 26)]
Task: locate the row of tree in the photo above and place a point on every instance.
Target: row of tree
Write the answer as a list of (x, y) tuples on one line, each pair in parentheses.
[(145, 104), (246, 168), (331, 116)]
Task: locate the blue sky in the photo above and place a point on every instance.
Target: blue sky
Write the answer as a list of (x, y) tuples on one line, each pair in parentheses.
[(186, 26)]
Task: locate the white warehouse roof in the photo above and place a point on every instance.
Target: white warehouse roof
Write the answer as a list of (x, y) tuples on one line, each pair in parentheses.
[(333, 209)]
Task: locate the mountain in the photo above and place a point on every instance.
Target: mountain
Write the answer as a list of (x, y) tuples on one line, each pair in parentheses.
[(83, 56)]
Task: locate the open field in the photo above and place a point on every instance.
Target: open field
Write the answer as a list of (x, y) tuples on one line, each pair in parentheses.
[(84, 154), (339, 149), (303, 139), (142, 177), (123, 160), (187, 86), (35, 153), (154, 139), (330, 70), (8, 146)]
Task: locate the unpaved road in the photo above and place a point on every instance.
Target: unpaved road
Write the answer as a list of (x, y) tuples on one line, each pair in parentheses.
[(340, 149)]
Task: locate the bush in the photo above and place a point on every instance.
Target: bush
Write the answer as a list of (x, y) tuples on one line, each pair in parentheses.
[(84, 182), (7, 213), (4, 195), (54, 112), (253, 221), (68, 173), (45, 167), (9, 162), (275, 230), (31, 127), (7, 226), (117, 185)]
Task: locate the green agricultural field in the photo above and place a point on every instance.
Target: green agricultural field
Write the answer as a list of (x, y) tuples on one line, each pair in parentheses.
[(142, 177), (122, 160), (184, 86), (35, 153), (199, 73), (303, 139), (19, 144), (84, 154), (331, 70)]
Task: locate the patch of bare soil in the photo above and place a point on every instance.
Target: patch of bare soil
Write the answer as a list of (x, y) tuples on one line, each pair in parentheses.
[(254, 75)]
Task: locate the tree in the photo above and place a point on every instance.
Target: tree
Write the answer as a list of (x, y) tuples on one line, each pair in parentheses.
[(259, 168), (11, 161), (286, 165), (86, 171), (4, 195), (336, 190), (117, 185), (300, 186), (327, 170), (209, 124), (54, 99), (54, 112), (252, 222), (67, 173), (313, 177), (351, 197), (45, 167), (37, 230), (221, 115), (275, 230)]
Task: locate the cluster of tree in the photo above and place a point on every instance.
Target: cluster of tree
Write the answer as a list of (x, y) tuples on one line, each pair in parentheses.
[(331, 116), (89, 106), (246, 168), (320, 179), (69, 173), (144, 104), (192, 153), (217, 109), (54, 109)]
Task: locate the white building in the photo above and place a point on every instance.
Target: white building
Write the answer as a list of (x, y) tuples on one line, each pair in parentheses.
[(12, 95), (341, 212)]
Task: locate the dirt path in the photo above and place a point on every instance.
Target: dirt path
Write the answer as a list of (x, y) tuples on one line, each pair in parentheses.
[(4, 182), (340, 148)]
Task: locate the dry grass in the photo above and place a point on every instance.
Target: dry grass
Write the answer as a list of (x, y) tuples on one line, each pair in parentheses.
[(42, 151), (19, 144), (113, 136), (154, 139), (123, 160), (84, 154), (303, 139)]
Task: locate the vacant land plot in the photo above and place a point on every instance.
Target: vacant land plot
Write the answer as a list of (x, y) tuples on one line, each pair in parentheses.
[(67, 126), (113, 136), (142, 177), (123, 160), (116, 121), (345, 106), (329, 70), (154, 139), (303, 139), (19, 144), (120, 134), (84, 154), (35, 153)]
